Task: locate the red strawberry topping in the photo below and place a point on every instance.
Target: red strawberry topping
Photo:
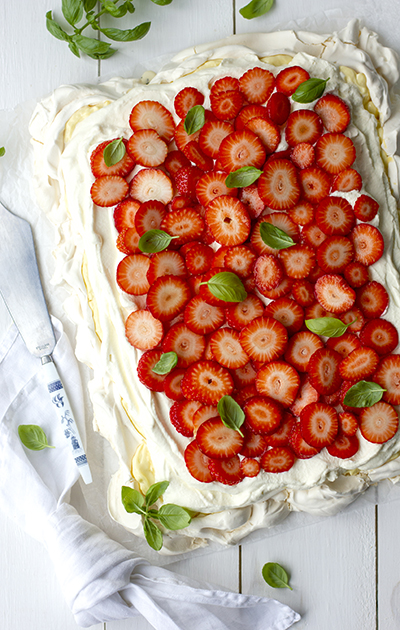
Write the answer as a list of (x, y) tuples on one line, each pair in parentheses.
[(280, 437), (334, 113), (348, 423), (287, 312), (109, 190), (280, 381), (132, 274), (356, 274), (264, 339), (315, 184), (256, 85), (306, 395), (278, 186), (147, 148), (207, 382), (151, 183), (172, 384), (186, 223), (228, 220), (268, 272), (335, 152), (347, 180), (181, 416), (278, 459), (300, 447), (166, 263), (344, 344), (263, 415), (143, 331), (240, 259), (388, 376), (241, 148), (319, 424), (124, 214), (267, 131), (366, 208), (335, 216), (380, 335), (218, 441), (226, 471), (368, 244), (300, 349), (243, 313), (344, 446), (303, 125), (167, 297), (278, 108), (153, 381), (298, 261), (188, 345), (186, 99), (334, 294), (174, 161), (250, 467), (99, 167), (379, 423), (197, 463), (373, 299), (152, 115), (359, 365), (149, 216), (198, 258), (226, 105), (211, 185), (226, 349), (334, 254), (289, 79), (211, 136)]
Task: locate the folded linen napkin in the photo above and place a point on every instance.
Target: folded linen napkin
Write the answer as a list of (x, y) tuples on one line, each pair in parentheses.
[(101, 580)]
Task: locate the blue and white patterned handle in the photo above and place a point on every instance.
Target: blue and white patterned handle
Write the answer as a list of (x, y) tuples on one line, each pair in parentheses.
[(63, 408)]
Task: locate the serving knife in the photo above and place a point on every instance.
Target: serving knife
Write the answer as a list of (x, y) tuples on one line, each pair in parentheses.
[(22, 292)]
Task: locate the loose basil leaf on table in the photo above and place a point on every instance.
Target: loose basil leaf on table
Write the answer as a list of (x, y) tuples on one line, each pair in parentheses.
[(256, 8), (33, 437), (231, 413), (363, 394), (275, 237), (129, 35), (167, 362), (194, 119), (275, 575), (155, 241), (327, 326), (310, 90), (243, 177), (226, 286), (2, 151)]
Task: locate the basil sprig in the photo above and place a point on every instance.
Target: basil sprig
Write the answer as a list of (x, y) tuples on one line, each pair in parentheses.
[(310, 90), (2, 151), (244, 176), (33, 437), (275, 575), (194, 119), (275, 237), (154, 241), (167, 362), (256, 8), (230, 413), (363, 394), (170, 516), (226, 286), (114, 152), (327, 326)]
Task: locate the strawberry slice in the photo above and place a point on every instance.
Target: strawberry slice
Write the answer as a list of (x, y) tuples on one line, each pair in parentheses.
[(182, 138), (181, 416), (356, 274), (267, 131), (365, 208), (147, 148), (344, 344), (278, 459), (334, 113), (244, 376), (306, 395), (240, 314), (280, 220), (379, 423), (334, 254), (124, 214), (300, 447), (211, 136), (335, 152), (287, 312), (280, 381), (254, 444), (359, 364), (257, 85), (368, 244), (130, 239), (166, 263), (278, 108), (281, 436), (153, 381), (380, 335), (388, 376), (347, 180), (143, 331), (263, 415), (289, 79), (167, 297), (281, 290), (197, 463), (298, 261), (225, 84), (334, 294), (149, 184), (132, 274), (372, 299), (315, 184), (120, 243), (226, 349), (348, 423), (109, 190), (323, 371), (240, 259), (300, 349), (152, 115), (303, 155), (278, 186), (226, 105), (228, 220), (99, 167), (188, 345), (211, 185), (313, 236), (194, 153), (203, 413), (172, 384), (149, 216), (319, 424), (268, 272), (180, 202), (250, 467), (207, 382), (218, 441), (186, 223), (345, 446), (198, 259), (226, 471), (316, 310), (248, 112), (174, 161), (303, 292), (302, 213), (354, 319), (186, 180), (264, 339), (335, 216), (241, 148), (252, 200), (303, 125), (187, 98)]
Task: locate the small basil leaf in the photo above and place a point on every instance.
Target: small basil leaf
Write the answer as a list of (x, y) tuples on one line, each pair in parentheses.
[(154, 241), (72, 11), (166, 363), (363, 394), (2, 151), (132, 500), (129, 35), (155, 492), (256, 8), (227, 286), (152, 534), (114, 152), (275, 237), (90, 46), (275, 575), (54, 28), (327, 326), (173, 516), (88, 5), (106, 55), (230, 413), (310, 90), (194, 119), (33, 437), (74, 48), (162, 3), (243, 177)]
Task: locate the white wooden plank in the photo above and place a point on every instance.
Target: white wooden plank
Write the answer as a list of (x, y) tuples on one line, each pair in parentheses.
[(388, 515)]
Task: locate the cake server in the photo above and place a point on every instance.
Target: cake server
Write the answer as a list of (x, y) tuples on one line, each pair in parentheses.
[(22, 292)]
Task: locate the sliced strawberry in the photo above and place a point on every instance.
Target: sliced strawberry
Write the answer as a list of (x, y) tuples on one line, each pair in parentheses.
[(252, 200), (287, 312), (250, 467), (240, 259), (132, 274), (335, 216), (167, 297), (268, 272), (284, 288), (211, 136), (172, 384), (225, 84), (347, 180), (182, 138), (334, 113), (365, 208), (359, 365), (300, 447), (152, 115), (143, 331), (263, 415), (187, 98), (180, 202), (264, 339), (278, 186), (248, 112), (241, 148), (218, 441), (306, 395), (316, 310), (379, 423), (188, 345), (124, 214), (298, 261), (240, 314), (120, 243), (130, 240), (207, 382), (319, 424), (335, 152), (181, 416), (244, 376), (174, 161), (280, 437), (313, 236), (203, 413), (211, 185), (380, 335), (186, 180), (372, 299), (300, 349), (354, 319), (99, 167), (254, 444), (194, 153), (227, 350), (315, 184), (280, 220), (166, 263), (323, 371), (348, 423), (335, 254), (149, 216), (278, 108), (197, 463), (334, 294), (303, 292), (303, 155), (267, 131), (153, 381), (226, 471), (388, 376), (226, 105), (303, 125), (280, 381), (278, 459), (198, 259), (109, 190), (368, 243), (356, 274), (344, 344), (345, 446), (219, 257), (257, 85), (228, 220), (187, 224), (147, 148), (289, 79), (149, 184)]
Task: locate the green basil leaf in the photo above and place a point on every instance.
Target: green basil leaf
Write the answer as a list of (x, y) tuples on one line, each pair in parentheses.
[(243, 177), (327, 326), (275, 575), (173, 516), (129, 35), (162, 3), (194, 119), (231, 414), (106, 55), (74, 49), (275, 237), (90, 46), (114, 152), (310, 90), (2, 151), (226, 286), (256, 8), (72, 10), (33, 437), (89, 5), (133, 500), (155, 492), (154, 241), (363, 394), (167, 362), (55, 29), (152, 513), (152, 534)]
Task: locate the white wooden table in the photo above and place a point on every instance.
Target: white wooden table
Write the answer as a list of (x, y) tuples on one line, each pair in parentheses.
[(344, 571)]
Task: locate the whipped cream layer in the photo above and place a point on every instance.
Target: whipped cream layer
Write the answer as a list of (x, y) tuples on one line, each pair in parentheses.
[(65, 128)]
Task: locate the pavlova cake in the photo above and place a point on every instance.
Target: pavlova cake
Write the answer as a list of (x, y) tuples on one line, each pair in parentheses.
[(229, 236)]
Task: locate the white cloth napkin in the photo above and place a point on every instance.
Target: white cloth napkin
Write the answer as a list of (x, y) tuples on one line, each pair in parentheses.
[(101, 580)]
